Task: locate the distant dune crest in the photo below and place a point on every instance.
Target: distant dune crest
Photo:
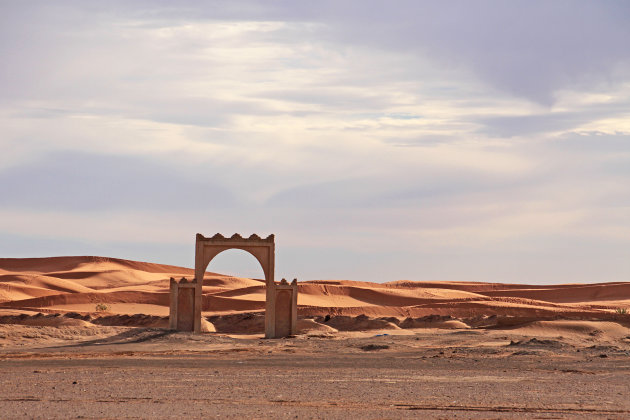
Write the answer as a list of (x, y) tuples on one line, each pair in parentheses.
[(78, 284)]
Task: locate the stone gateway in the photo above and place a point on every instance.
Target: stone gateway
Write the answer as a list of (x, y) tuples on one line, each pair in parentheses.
[(280, 299)]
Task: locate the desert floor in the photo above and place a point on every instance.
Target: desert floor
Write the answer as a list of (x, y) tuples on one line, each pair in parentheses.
[(125, 372), (363, 350)]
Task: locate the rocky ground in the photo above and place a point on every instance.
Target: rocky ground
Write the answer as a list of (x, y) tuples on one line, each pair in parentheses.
[(124, 372)]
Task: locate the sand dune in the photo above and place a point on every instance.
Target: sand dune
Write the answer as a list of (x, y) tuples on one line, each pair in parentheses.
[(78, 284), (16, 291), (567, 328)]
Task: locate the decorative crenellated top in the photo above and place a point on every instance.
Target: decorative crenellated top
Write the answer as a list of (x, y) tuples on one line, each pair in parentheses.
[(184, 280), (284, 282), (235, 238)]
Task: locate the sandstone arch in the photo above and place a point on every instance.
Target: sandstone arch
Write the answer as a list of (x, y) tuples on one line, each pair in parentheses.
[(264, 251)]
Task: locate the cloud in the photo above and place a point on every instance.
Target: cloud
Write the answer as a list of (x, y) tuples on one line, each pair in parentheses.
[(423, 140), (524, 48), (73, 182)]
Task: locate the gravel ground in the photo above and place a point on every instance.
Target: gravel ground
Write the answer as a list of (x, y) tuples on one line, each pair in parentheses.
[(146, 373)]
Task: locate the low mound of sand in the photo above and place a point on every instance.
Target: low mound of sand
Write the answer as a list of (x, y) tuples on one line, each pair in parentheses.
[(12, 335), (575, 329), (308, 325), (207, 326), (358, 323), (442, 322), (46, 321)]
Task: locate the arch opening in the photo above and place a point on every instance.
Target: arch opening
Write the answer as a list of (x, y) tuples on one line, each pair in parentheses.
[(235, 262)]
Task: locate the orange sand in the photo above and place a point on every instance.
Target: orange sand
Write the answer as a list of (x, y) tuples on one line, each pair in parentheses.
[(78, 284)]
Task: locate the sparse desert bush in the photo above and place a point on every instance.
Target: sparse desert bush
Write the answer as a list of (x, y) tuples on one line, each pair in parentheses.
[(621, 311), (101, 307)]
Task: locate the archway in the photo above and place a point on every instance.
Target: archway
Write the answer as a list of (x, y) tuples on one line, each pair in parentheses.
[(206, 249), (262, 249)]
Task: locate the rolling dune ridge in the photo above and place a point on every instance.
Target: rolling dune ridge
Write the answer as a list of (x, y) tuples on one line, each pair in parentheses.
[(62, 285)]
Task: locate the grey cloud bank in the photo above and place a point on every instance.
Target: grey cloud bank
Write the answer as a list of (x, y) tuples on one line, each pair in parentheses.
[(423, 140)]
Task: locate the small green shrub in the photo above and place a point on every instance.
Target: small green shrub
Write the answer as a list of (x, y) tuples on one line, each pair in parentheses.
[(621, 311), (101, 307)]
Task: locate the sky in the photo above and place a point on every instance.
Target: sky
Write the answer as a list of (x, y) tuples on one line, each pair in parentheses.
[(378, 140)]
